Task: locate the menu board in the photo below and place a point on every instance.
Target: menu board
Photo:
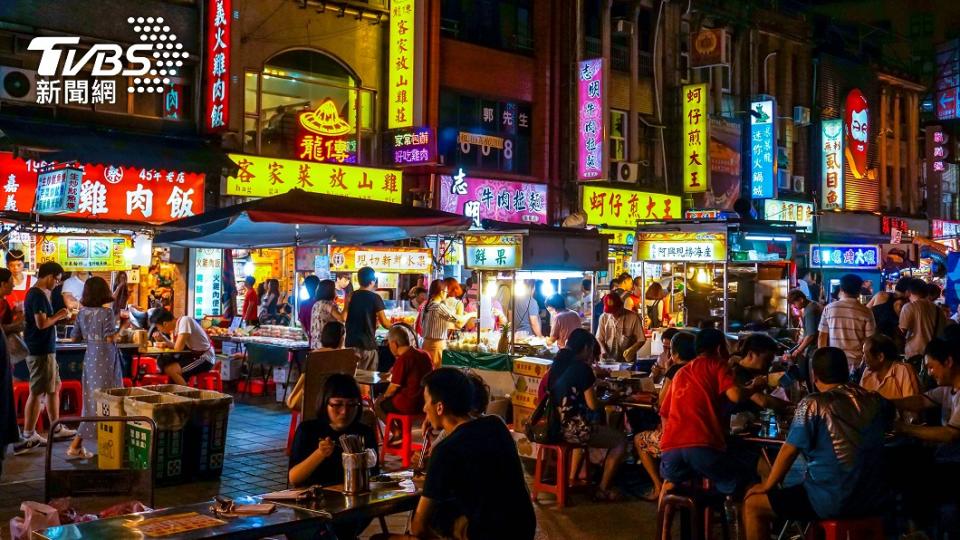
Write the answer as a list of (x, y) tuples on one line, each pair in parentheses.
[(89, 253), (208, 285)]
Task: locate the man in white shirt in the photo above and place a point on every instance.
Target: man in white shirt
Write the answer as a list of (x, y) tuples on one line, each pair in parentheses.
[(73, 289), (190, 338), (846, 323)]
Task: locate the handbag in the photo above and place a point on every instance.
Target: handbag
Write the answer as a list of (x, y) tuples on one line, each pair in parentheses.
[(543, 426)]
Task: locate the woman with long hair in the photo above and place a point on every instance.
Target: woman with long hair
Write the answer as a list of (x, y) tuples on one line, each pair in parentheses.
[(97, 327), (121, 295), (436, 321), (324, 310), (269, 301)]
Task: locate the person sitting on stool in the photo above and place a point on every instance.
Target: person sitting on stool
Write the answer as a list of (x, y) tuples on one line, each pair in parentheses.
[(188, 336)]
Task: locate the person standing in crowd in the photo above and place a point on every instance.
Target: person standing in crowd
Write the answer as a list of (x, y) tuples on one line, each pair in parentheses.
[(526, 311), (655, 309), (839, 431), (564, 321), (9, 432), (626, 284), (619, 331), (365, 310), (418, 297), (810, 315), (886, 307), (436, 322), (11, 321), (693, 442), (404, 395), (474, 470), (97, 327), (453, 298), (251, 302), (305, 311), (188, 337), (323, 311), (344, 288), (72, 289), (21, 281), (40, 334), (846, 323), (918, 321), (666, 358), (269, 302), (633, 299), (121, 294), (682, 349)]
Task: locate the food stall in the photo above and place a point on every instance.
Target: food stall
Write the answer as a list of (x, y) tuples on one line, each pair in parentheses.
[(714, 272)]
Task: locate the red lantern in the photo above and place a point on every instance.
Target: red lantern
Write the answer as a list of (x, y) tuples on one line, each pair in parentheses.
[(856, 127)]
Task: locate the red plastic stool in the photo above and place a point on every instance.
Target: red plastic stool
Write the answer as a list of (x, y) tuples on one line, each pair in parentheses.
[(407, 447), (21, 391), (153, 379), (147, 363), (127, 382), (564, 459), (294, 422), (71, 398), (848, 529), (208, 381)]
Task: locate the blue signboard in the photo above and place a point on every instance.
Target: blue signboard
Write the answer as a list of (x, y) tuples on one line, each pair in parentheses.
[(854, 256), (763, 147), (952, 290)]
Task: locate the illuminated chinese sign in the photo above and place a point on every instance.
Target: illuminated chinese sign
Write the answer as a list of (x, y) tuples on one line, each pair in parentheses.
[(411, 146), (325, 136), (108, 192), (763, 166), (484, 135), (381, 259), (207, 283), (832, 169), (942, 228), (889, 224), (592, 130), (615, 207), (75, 253), (172, 105), (800, 213), (499, 200), (58, 189), (260, 176), (937, 152), (857, 130), (493, 252), (702, 214), (855, 256), (696, 138), (618, 237), (217, 68), (400, 96), (680, 246)]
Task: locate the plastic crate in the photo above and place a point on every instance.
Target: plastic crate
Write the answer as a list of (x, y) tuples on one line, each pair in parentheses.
[(205, 434), (110, 435), (171, 413)]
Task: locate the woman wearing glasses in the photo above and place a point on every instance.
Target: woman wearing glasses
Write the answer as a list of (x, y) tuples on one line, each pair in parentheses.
[(315, 458)]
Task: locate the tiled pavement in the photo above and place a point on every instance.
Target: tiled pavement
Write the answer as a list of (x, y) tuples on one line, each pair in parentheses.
[(255, 463)]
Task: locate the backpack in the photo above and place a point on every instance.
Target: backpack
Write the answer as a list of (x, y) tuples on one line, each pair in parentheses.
[(543, 426)]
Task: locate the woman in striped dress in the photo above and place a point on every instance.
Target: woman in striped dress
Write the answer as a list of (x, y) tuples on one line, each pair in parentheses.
[(436, 322)]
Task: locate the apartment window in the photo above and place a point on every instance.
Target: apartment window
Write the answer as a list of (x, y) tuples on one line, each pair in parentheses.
[(303, 80), (618, 135), (499, 24)]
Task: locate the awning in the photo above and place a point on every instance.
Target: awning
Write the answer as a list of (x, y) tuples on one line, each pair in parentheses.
[(301, 218), (43, 139)]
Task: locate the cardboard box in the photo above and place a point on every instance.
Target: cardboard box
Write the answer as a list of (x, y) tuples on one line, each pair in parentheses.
[(525, 391), (520, 415), (531, 367)]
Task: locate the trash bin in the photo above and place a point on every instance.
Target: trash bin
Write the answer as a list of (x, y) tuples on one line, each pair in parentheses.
[(205, 434), (171, 413), (110, 447), (166, 388)]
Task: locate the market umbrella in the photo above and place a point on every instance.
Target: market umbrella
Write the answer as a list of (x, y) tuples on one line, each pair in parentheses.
[(301, 218)]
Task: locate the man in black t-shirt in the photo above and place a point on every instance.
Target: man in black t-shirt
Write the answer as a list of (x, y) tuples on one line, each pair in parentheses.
[(364, 310), (475, 470)]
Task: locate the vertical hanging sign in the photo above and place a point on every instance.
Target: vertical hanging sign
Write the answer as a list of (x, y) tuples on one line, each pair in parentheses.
[(763, 165), (217, 66), (590, 120), (402, 59), (696, 139), (857, 127), (831, 140), (937, 152)]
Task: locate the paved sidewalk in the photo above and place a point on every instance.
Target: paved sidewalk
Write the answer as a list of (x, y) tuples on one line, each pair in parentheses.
[(255, 463)]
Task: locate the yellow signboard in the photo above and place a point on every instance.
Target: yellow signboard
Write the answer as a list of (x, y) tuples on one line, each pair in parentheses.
[(618, 237), (680, 246), (93, 253), (615, 207), (400, 96), (695, 137), (260, 176), (493, 251), (381, 259)]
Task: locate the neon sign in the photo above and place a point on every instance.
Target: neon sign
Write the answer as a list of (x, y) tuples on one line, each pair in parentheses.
[(696, 138), (857, 128), (832, 158), (592, 129), (763, 165), (325, 136), (401, 96), (854, 256), (412, 146), (217, 69)]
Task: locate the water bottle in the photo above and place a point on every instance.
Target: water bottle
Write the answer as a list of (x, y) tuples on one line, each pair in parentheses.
[(732, 516), (772, 428)]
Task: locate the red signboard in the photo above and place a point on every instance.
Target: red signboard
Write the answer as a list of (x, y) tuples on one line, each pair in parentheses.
[(110, 193), (217, 69)]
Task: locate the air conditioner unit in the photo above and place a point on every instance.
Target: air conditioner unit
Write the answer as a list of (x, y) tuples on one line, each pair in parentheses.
[(801, 116), (625, 171), (18, 84)]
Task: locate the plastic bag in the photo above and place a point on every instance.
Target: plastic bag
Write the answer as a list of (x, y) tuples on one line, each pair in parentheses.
[(128, 507), (36, 516)]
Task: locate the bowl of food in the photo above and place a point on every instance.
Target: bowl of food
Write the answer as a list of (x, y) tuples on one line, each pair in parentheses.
[(384, 481)]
